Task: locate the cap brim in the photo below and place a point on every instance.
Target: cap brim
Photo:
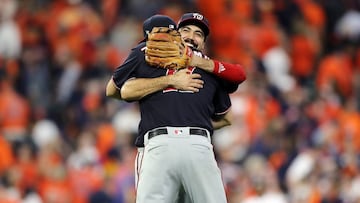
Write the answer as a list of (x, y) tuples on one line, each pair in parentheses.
[(196, 22)]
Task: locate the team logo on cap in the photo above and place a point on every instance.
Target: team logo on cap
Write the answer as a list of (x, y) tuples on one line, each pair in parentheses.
[(198, 16)]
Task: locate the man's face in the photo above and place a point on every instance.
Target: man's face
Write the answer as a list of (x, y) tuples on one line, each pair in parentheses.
[(193, 36)]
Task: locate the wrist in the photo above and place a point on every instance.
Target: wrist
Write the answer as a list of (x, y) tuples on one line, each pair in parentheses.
[(216, 66), (203, 63), (169, 81), (194, 61)]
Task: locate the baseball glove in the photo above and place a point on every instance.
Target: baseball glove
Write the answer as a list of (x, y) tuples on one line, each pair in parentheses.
[(165, 49)]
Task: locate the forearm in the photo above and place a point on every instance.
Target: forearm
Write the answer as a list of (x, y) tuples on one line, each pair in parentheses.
[(136, 89), (230, 72), (224, 121), (220, 124), (203, 63)]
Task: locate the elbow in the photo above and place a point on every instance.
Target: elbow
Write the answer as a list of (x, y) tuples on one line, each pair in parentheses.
[(111, 90), (112, 95), (108, 93), (241, 76), (242, 79), (228, 118), (234, 73)]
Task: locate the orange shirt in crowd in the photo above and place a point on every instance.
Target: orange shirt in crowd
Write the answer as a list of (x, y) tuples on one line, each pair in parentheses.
[(56, 191), (29, 175), (349, 122), (91, 101), (313, 13), (6, 155), (105, 139), (315, 196), (323, 111), (109, 9), (173, 11), (277, 159), (242, 10), (302, 54), (357, 60), (335, 70), (26, 165), (80, 27), (14, 110), (85, 181), (9, 200), (224, 42), (113, 57), (54, 185), (265, 38), (259, 113), (212, 9)]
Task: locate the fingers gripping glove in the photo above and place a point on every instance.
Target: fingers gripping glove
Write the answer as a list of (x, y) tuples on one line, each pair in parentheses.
[(165, 49)]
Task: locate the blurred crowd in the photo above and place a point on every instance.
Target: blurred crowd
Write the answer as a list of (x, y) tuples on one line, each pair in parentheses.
[(295, 137)]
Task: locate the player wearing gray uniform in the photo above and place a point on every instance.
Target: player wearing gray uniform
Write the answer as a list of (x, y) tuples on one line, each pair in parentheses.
[(176, 128)]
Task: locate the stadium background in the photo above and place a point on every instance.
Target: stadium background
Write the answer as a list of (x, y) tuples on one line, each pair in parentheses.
[(296, 131)]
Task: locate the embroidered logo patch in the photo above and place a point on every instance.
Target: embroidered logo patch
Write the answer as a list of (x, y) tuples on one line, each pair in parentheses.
[(178, 132)]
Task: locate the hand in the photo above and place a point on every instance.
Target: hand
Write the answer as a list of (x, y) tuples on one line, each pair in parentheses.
[(184, 80)]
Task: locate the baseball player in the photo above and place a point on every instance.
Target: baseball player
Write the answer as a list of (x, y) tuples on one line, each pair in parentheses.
[(230, 75), (183, 119)]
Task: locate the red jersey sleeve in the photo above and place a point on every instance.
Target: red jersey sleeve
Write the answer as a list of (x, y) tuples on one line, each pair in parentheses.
[(231, 72)]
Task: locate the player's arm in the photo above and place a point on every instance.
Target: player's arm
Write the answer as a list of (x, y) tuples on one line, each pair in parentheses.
[(222, 121), (222, 109), (163, 52), (137, 88), (234, 73), (111, 89)]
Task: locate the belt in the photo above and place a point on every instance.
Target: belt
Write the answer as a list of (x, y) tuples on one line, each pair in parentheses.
[(163, 131)]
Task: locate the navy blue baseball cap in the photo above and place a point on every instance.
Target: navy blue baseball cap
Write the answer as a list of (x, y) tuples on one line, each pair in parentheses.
[(195, 19), (157, 21)]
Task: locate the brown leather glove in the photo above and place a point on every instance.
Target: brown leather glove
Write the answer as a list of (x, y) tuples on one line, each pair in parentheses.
[(165, 49)]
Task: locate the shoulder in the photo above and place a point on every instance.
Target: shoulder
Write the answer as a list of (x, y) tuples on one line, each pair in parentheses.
[(221, 84), (139, 48), (229, 87)]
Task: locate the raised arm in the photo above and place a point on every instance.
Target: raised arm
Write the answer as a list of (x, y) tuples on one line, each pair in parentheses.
[(168, 48)]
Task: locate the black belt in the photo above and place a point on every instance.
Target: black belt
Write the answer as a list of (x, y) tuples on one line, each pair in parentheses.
[(163, 131)]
